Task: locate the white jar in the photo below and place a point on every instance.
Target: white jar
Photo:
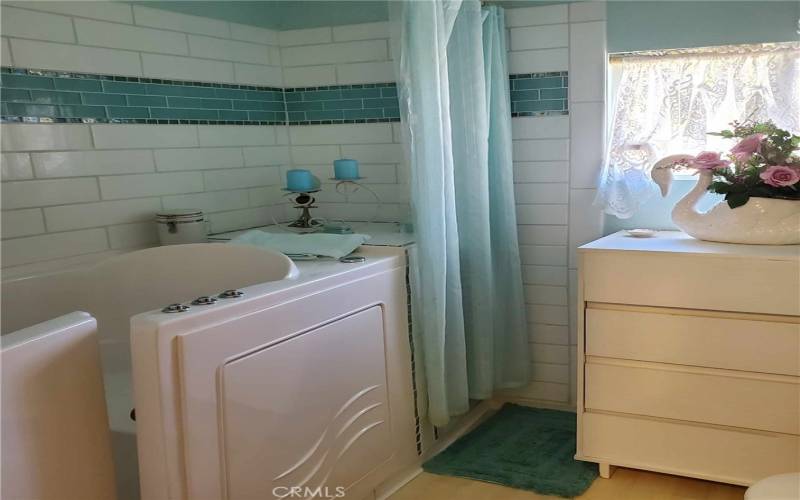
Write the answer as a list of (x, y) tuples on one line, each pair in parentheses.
[(181, 226)]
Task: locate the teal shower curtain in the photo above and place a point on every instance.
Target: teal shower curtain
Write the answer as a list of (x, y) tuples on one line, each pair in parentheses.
[(467, 296)]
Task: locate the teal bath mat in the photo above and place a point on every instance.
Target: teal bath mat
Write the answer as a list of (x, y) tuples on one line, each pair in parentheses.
[(520, 447)]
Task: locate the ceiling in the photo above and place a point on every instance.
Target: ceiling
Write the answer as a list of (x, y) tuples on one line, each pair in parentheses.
[(283, 14), (296, 14)]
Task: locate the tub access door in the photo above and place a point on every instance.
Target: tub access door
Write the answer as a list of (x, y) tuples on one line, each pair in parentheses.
[(295, 387), (310, 412)]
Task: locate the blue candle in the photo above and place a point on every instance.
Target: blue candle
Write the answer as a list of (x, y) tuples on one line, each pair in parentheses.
[(301, 181), (345, 169)]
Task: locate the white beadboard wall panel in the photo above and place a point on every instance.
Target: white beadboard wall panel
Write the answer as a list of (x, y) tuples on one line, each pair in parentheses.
[(535, 16), (76, 58), (118, 36), (104, 213), (89, 163), (157, 18), (30, 137), (117, 136), (37, 25), (106, 11), (41, 193), (25, 222), (137, 186), (16, 166)]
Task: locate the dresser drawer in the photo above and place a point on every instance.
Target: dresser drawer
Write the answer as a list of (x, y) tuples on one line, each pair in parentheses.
[(699, 340), (692, 450), (692, 282), (737, 399)]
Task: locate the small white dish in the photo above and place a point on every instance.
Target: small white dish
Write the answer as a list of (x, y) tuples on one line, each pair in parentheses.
[(641, 233)]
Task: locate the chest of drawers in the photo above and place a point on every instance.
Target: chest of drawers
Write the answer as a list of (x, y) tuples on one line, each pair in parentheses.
[(689, 357)]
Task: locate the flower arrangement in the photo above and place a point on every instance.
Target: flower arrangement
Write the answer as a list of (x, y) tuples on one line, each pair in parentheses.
[(762, 164)]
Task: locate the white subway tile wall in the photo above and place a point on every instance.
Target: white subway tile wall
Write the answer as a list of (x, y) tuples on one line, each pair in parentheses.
[(120, 39), (65, 179), (556, 162), (76, 189)]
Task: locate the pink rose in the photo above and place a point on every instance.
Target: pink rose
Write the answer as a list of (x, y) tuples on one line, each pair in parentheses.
[(780, 176), (748, 146), (708, 160)]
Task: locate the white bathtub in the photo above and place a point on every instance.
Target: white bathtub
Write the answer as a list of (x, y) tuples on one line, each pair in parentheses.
[(116, 289)]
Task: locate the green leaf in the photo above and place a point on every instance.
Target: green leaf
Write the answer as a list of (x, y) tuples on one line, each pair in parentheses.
[(737, 199)]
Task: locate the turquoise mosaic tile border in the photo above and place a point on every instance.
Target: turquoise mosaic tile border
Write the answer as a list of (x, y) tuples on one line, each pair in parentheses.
[(54, 97), (535, 94), (376, 102), (34, 96)]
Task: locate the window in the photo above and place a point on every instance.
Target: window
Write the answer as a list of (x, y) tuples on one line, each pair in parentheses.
[(666, 102)]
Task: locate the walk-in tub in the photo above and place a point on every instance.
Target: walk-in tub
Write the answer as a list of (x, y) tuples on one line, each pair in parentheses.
[(117, 288)]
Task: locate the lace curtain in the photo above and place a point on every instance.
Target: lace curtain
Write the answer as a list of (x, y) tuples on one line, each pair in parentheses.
[(668, 101)]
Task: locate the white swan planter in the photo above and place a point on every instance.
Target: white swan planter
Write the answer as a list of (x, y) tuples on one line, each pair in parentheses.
[(760, 221)]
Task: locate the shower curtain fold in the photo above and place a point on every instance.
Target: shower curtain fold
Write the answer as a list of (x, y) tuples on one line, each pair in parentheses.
[(467, 298)]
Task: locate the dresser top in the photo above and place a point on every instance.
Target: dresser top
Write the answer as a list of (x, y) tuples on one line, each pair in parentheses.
[(680, 242)]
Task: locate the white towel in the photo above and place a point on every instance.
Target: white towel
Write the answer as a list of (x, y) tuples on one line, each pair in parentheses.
[(322, 244)]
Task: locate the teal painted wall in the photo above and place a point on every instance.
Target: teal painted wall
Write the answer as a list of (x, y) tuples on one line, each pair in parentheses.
[(643, 25), (655, 212)]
